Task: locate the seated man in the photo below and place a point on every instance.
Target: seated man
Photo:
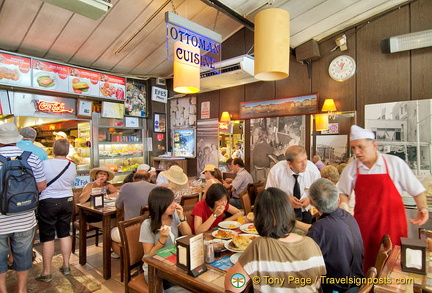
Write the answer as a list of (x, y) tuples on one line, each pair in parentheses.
[(337, 234), (240, 182)]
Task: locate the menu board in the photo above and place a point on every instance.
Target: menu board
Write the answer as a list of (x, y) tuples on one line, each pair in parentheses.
[(50, 76), (84, 82), (111, 86), (15, 70)]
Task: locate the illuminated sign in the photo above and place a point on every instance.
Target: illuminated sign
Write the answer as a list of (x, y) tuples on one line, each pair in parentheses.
[(223, 125), (53, 107)]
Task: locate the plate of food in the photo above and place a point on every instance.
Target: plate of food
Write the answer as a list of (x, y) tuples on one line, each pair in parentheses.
[(250, 217), (224, 234), (229, 225), (234, 258), (248, 228), (238, 243)]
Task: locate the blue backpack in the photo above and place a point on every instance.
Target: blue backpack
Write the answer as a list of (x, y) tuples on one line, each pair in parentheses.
[(18, 188)]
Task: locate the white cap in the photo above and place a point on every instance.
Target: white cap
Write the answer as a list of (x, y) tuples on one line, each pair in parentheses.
[(360, 133), (146, 167), (60, 133)]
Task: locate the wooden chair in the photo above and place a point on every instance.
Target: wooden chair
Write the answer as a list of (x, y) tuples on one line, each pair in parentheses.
[(145, 211), (245, 201), (253, 190), (189, 199), (383, 253), (132, 254), (96, 227), (367, 287)]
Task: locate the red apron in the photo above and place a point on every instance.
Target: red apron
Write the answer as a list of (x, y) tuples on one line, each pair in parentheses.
[(379, 210)]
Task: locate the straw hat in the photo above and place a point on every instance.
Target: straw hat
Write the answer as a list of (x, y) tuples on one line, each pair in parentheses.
[(208, 167), (60, 133), (175, 174), (94, 171), (146, 167), (9, 133)]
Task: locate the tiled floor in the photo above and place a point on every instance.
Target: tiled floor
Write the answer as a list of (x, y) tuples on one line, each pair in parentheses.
[(94, 268)]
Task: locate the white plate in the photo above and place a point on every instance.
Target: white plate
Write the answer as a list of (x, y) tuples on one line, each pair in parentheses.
[(214, 233), (229, 225), (47, 74), (234, 258), (244, 228), (231, 247)]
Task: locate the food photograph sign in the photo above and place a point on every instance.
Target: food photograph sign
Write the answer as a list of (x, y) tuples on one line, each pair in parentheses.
[(50, 76), (84, 82), (15, 70)]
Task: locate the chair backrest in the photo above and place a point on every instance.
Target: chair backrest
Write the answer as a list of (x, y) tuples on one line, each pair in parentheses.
[(367, 286), (383, 253), (145, 211), (253, 190), (132, 249), (245, 201), (189, 199)]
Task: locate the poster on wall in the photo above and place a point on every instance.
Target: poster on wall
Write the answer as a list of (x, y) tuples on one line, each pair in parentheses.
[(50, 76), (183, 112), (159, 122), (15, 70), (333, 149), (184, 143), (84, 82), (207, 144), (136, 99), (270, 137), (112, 110), (205, 110)]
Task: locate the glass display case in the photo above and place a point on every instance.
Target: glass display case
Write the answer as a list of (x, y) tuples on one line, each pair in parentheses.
[(82, 146), (118, 147)]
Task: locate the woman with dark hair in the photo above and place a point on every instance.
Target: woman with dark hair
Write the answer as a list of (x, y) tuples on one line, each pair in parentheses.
[(208, 213), (278, 252), (212, 175)]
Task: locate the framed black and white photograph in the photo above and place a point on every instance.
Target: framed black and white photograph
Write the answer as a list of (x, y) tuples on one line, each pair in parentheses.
[(159, 121), (333, 149)]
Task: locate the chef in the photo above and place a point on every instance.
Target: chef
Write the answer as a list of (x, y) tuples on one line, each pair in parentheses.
[(378, 181)]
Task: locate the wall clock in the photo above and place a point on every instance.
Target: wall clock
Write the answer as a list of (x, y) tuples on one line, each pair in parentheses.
[(342, 68)]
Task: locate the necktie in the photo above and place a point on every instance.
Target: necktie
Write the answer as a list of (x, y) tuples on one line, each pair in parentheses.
[(296, 191)]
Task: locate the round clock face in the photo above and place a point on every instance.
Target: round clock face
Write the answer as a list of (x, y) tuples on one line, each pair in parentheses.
[(342, 68)]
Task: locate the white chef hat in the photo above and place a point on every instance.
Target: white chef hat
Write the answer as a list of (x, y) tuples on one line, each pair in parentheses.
[(360, 133), (146, 167)]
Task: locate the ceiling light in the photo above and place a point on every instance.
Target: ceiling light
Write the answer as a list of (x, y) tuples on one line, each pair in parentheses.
[(407, 42), (186, 74)]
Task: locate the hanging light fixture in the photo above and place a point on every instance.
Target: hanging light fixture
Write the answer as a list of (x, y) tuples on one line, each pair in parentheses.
[(329, 107), (186, 72), (321, 122), (225, 117), (272, 44)]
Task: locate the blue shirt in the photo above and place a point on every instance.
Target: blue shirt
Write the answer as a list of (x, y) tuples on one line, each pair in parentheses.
[(27, 145)]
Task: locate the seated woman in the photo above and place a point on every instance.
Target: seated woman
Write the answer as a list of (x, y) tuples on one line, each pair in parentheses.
[(208, 213), (278, 252), (100, 177), (177, 182), (161, 228), (212, 175)]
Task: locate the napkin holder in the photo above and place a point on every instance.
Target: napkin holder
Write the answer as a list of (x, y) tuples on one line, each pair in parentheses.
[(413, 255), (97, 200), (190, 254)]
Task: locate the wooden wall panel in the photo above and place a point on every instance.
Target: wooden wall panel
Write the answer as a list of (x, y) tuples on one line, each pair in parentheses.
[(297, 83), (234, 46), (261, 90), (421, 59), (343, 93), (381, 77), (230, 99)]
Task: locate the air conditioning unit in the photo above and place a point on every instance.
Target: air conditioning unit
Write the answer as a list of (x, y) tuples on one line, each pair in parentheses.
[(93, 9), (235, 71)]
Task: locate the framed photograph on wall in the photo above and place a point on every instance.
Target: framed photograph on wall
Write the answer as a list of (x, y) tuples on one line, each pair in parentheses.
[(84, 108), (159, 121)]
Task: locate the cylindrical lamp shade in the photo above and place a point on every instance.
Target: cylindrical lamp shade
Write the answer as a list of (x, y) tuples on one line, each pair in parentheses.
[(272, 44), (186, 68), (321, 122)]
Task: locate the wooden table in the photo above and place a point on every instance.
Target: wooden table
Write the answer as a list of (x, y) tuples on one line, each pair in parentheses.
[(105, 214), (159, 268), (414, 282)]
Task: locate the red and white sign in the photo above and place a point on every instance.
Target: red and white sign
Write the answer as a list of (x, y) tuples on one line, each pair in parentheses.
[(53, 107), (50, 76), (15, 70), (205, 110), (84, 82), (113, 87)]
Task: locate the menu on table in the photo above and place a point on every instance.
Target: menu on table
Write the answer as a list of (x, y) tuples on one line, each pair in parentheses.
[(113, 87), (50, 76), (83, 82), (15, 70)]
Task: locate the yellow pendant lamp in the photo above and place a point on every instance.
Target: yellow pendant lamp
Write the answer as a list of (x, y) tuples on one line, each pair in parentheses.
[(321, 122), (272, 44), (186, 69)]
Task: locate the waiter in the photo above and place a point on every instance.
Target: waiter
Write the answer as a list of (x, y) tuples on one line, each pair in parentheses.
[(378, 181)]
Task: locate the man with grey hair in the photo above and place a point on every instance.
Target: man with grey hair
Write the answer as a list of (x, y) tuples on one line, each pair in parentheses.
[(338, 235), (294, 176), (27, 143)]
